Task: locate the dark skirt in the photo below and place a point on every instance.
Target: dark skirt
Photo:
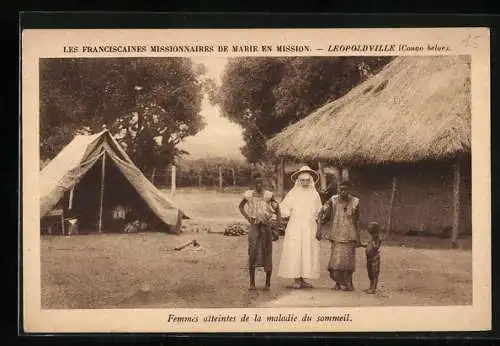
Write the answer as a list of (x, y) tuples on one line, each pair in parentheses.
[(373, 267), (260, 247), (343, 257)]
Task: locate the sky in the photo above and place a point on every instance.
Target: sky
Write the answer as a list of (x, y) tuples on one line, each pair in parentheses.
[(220, 137)]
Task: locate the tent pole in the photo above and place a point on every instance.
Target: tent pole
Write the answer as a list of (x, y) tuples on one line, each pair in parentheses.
[(103, 172), (391, 204), (153, 176), (456, 203)]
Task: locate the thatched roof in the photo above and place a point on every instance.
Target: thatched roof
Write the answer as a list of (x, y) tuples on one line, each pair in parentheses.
[(416, 108)]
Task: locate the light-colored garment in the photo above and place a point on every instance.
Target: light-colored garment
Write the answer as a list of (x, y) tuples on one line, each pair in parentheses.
[(300, 253), (343, 233), (342, 256), (259, 204), (344, 216), (119, 213)]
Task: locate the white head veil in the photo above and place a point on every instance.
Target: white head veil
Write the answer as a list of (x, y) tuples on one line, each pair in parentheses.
[(303, 200)]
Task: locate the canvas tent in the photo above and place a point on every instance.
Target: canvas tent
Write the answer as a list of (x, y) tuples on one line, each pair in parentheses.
[(405, 137), (92, 174)]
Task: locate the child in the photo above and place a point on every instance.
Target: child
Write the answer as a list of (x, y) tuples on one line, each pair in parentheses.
[(373, 256), (260, 204)]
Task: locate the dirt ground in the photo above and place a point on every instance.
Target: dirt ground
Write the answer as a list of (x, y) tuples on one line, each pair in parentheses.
[(142, 270)]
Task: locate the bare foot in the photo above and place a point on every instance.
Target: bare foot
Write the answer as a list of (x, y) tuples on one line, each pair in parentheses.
[(266, 288), (369, 291), (252, 288), (297, 285), (337, 287), (305, 284)]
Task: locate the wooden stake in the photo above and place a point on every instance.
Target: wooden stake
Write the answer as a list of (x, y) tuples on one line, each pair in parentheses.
[(281, 177), (180, 247), (456, 203), (103, 172), (391, 204), (344, 174), (322, 176), (338, 177), (173, 182), (199, 180)]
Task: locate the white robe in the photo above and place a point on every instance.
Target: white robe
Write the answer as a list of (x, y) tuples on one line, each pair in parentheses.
[(301, 250)]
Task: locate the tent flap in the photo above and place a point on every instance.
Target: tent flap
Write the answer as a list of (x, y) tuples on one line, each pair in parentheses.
[(155, 199), (72, 177)]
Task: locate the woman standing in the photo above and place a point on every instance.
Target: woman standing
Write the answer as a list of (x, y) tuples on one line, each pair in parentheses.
[(300, 254), (344, 236), (260, 238)]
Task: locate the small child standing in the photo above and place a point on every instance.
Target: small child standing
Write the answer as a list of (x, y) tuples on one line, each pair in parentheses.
[(373, 256), (261, 205)]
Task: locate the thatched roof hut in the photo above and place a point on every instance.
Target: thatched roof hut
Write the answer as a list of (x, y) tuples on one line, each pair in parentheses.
[(405, 135), (416, 108)]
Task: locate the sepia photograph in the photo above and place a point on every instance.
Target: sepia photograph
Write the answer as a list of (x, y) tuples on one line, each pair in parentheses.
[(255, 182)]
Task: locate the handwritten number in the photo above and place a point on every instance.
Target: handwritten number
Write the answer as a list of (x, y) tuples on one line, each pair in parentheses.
[(470, 41)]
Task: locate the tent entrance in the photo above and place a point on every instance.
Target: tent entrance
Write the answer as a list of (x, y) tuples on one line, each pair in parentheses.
[(99, 192)]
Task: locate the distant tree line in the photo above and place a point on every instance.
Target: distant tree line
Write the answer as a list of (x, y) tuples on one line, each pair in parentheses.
[(152, 104)]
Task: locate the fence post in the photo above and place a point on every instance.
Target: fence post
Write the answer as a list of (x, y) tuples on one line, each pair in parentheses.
[(220, 177), (344, 176)]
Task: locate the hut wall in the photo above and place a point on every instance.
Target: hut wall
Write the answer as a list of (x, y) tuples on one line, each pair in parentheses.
[(373, 186), (423, 200), (466, 197)]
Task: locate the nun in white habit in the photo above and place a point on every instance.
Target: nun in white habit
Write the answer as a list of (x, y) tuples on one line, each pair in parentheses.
[(300, 253)]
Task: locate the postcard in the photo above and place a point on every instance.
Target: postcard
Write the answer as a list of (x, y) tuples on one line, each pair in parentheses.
[(256, 180)]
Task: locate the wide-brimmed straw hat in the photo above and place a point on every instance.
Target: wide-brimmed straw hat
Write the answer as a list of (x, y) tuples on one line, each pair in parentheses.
[(305, 169)]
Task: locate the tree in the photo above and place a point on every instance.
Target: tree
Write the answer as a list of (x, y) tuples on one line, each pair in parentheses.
[(140, 100), (246, 98), (264, 95)]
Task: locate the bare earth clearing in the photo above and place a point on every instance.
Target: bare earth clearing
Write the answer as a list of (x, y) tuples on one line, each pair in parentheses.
[(143, 270)]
